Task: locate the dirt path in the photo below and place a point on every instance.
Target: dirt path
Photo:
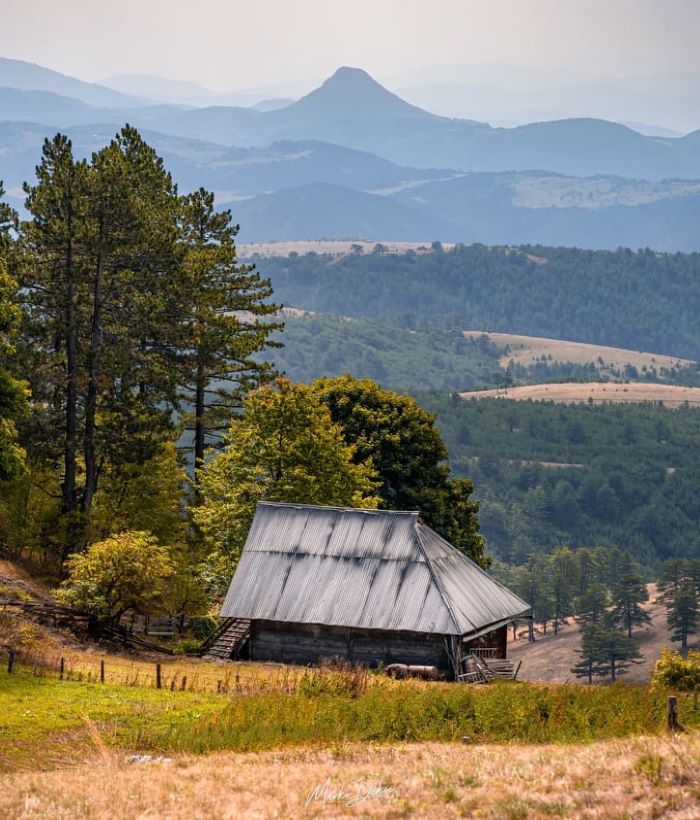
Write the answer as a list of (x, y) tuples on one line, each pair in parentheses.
[(13, 575)]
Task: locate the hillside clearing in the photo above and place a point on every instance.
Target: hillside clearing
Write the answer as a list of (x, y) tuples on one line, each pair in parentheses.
[(550, 658), (328, 246), (640, 778), (526, 350), (670, 395)]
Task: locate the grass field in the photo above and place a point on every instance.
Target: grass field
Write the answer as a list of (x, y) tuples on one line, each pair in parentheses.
[(526, 350), (670, 395), (647, 777), (45, 720)]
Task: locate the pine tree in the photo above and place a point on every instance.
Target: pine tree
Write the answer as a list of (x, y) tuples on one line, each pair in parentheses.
[(628, 594), (615, 652), (561, 577), (225, 302), (527, 582), (98, 265), (591, 607), (13, 394), (683, 611), (590, 653)]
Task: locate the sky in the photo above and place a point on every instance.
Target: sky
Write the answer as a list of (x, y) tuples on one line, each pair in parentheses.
[(237, 45)]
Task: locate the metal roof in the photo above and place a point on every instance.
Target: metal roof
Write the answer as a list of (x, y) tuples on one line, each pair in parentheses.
[(368, 569)]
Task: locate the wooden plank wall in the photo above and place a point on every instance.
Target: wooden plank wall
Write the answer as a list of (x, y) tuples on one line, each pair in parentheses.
[(306, 643)]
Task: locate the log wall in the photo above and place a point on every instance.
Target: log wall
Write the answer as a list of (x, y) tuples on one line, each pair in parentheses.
[(311, 643)]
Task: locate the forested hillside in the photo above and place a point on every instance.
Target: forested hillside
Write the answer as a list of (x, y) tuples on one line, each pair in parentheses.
[(643, 301), (403, 359), (406, 359), (551, 475)]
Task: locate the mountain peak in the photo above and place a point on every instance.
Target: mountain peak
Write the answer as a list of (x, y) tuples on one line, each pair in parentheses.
[(347, 76), (355, 93)]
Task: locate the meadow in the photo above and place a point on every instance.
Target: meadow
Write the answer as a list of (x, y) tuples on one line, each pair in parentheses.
[(45, 718), (343, 743)]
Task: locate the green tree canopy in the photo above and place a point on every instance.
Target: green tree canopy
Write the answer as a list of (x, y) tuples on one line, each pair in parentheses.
[(126, 571), (97, 264), (409, 455), (284, 447), (591, 607), (628, 594), (13, 393)]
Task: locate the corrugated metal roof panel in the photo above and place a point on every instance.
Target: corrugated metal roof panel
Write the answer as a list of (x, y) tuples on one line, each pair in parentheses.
[(360, 568), (474, 597), (312, 589)]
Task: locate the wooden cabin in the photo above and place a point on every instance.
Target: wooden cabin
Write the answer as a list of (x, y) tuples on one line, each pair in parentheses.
[(373, 587)]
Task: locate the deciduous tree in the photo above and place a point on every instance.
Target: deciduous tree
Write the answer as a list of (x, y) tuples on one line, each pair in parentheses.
[(129, 570), (409, 455), (284, 447)]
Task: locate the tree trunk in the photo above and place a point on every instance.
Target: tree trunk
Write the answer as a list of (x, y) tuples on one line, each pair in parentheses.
[(199, 409), (91, 470), (71, 420)]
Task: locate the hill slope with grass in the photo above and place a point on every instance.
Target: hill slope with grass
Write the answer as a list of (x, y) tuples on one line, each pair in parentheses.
[(550, 658)]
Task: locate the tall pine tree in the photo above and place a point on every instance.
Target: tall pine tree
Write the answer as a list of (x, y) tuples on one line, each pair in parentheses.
[(226, 303), (13, 396), (98, 266), (628, 594)]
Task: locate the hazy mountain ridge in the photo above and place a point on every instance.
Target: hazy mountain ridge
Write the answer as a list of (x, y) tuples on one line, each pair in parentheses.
[(320, 166), (353, 110), (26, 76)]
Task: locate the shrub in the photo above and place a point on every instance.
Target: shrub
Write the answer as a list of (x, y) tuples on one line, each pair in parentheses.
[(202, 626), (125, 571), (675, 672)]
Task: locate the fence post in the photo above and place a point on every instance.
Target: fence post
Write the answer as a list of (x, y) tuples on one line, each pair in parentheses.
[(158, 681), (672, 715), (62, 668), (102, 671), (10, 660)]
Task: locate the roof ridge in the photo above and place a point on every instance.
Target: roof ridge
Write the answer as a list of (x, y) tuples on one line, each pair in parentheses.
[(436, 580), (414, 513)]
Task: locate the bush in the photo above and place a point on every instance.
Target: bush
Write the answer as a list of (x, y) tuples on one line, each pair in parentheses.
[(675, 672), (202, 626), (125, 571)]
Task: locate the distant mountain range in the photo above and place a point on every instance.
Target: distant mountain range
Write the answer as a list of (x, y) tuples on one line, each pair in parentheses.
[(353, 160)]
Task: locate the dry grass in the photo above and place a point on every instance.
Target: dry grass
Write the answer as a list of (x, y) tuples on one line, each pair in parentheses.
[(638, 778), (670, 395), (178, 673), (526, 350)]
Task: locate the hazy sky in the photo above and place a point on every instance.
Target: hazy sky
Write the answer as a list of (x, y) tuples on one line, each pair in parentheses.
[(237, 44)]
